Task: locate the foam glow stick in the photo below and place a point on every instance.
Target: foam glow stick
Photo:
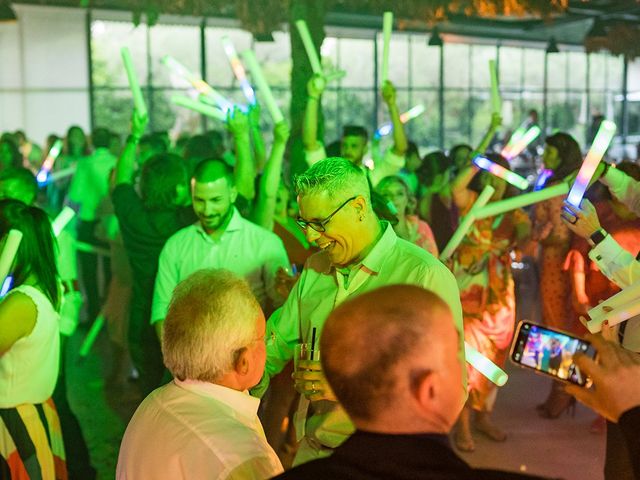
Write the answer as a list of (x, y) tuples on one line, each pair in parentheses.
[(612, 308), (61, 221), (413, 112), (11, 245), (199, 107), (618, 315), (543, 176), (92, 335), (387, 26), (134, 85), (47, 165), (337, 75), (520, 201), (466, 223), (521, 143), (598, 148), (499, 171), (60, 174), (485, 366), (496, 102), (309, 46), (515, 136), (238, 69), (198, 83), (6, 286), (258, 78)]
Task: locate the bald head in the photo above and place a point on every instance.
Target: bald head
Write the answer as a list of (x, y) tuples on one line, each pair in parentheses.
[(391, 353)]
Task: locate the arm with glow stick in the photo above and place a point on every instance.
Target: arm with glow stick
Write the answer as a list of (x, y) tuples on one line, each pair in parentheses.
[(400, 143), (623, 187), (309, 47), (48, 163), (204, 109), (521, 201), (513, 150), (387, 128), (264, 211), (315, 88), (259, 151), (244, 172), (238, 69), (134, 85), (387, 27), (598, 148), (501, 172), (125, 166), (258, 78), (466, 223)]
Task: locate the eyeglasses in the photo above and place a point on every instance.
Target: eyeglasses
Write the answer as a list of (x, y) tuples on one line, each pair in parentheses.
[(319, 226)]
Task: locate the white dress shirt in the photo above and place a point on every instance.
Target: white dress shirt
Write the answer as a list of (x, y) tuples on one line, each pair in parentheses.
[(244, 248), (196, 430)]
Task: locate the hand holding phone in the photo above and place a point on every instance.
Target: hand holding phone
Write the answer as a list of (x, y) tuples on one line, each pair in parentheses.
[(550, 352)]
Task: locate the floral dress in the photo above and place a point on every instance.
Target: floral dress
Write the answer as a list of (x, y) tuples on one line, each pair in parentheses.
[(482, 267)]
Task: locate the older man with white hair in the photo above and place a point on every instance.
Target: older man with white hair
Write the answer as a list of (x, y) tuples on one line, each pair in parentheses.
[(204, 424)]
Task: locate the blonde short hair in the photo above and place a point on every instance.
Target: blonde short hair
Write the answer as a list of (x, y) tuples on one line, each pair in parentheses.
[(336, 176), (211, 317)]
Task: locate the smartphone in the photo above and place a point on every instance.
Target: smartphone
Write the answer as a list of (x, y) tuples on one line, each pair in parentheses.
[(550, 352)]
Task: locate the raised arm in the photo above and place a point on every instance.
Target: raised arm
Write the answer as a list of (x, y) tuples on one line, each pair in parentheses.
[(245, 172), (270, 180), (126, 163), (496, 121), (259, 151), (315, 88), (462, 196), (400, 143)]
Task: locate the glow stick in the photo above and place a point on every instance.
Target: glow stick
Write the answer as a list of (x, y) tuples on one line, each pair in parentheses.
[(496, 102), (309, 46), (61, 221), (47, 165), (485, 366), (11, 245), (6, 286), (387, 26), (466, 223), (199, 107), (515, 136), (198, 83), (134, 85), (60, 174), (543, 176), (92, 335), (520, 201), (337, 75), (238, 69), (413, 112), (598, 148), (88, 248), (522, 143), (258, 78), (499, 171), (613, 308)]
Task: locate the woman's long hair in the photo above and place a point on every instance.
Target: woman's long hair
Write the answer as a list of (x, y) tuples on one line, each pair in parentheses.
[(479, 179), (569, 153), (37, 253)]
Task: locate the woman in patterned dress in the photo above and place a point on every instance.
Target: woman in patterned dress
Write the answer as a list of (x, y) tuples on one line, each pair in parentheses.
[(482, 266)]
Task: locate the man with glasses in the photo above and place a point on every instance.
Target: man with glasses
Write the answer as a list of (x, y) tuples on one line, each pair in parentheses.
[(358, 253)]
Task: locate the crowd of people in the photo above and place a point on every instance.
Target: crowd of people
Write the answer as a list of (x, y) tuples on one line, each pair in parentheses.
[(268, 317)]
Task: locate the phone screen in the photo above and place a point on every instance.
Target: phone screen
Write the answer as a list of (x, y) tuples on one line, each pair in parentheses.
[(550, 351)]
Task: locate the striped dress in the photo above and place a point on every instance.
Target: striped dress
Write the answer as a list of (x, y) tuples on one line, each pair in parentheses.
[(31, 444)]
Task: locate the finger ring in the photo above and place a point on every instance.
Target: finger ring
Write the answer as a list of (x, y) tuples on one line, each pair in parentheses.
[(313, 386), (573, 222)]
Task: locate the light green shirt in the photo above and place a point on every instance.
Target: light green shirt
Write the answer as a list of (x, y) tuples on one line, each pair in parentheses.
[(321, 287), (244, 248)]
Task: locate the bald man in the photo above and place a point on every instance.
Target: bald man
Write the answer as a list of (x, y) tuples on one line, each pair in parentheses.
[(220, 238), (400, 387)]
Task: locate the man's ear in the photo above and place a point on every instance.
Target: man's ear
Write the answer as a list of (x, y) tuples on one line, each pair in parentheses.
[(360, 204), (424, 390), (241, 366), (233, 193)]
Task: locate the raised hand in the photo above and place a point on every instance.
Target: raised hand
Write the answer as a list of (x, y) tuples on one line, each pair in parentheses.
[(237, 122), (389, 93), (281, 132), (316, 86)]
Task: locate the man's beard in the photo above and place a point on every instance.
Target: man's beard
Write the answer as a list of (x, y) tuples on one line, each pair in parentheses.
[(214, 222)]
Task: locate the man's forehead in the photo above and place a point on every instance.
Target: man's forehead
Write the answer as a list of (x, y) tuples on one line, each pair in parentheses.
[(315, 205), (215, 185), (354, 139)]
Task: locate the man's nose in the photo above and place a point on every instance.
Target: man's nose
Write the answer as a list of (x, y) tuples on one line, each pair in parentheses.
[(311, 234)]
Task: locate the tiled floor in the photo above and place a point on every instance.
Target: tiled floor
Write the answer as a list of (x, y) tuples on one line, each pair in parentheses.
[(560, 448)]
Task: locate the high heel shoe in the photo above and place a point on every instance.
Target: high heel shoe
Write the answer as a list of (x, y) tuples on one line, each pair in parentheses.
[(553, 409)]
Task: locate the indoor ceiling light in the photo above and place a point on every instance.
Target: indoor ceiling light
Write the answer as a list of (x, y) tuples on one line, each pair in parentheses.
[(435, 40), (597, 30), (552, 47)]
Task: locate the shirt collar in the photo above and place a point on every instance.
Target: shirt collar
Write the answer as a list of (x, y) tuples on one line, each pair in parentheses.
[(379, 253), (242, 403), (235, 224)]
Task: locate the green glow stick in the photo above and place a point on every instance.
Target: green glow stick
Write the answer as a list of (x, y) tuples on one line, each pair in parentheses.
[(466, 223), (199, 107), (520, 201), (613, 308), (11, 245), (514, 149), (61, 221), (387, 27), (337, 75), (499, 171), (309, 46), (496, 102), (92, 335), (258, 78), (485, 366), (134, 85)]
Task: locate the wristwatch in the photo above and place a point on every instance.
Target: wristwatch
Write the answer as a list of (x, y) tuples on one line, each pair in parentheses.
[(597, 237)]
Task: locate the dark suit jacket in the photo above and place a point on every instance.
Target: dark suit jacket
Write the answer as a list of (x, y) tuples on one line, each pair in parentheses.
[(372, 456), (630, 425)]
